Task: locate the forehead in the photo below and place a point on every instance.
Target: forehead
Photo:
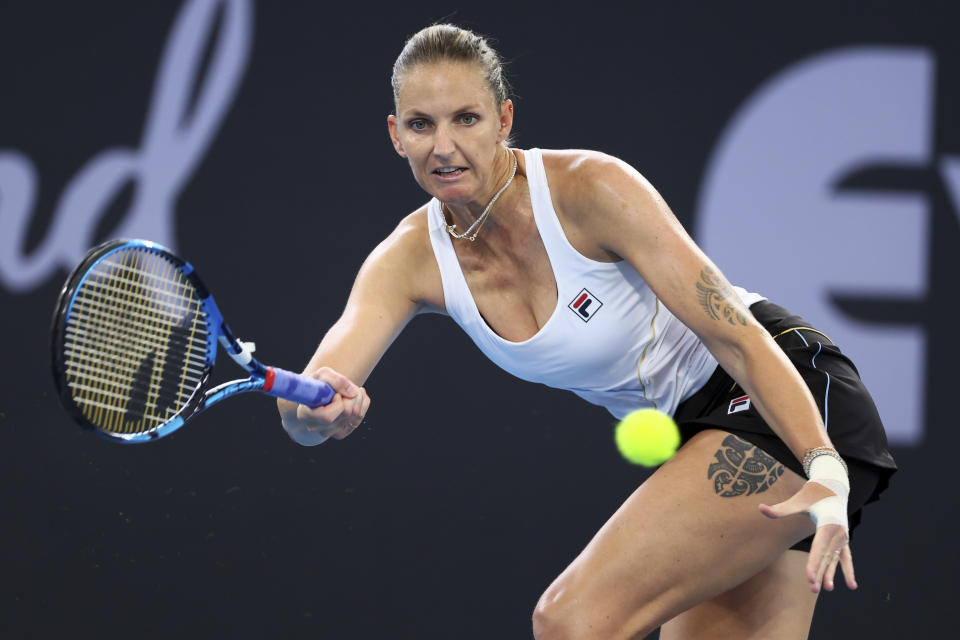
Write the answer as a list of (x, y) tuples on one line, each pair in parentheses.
[(440, 85)]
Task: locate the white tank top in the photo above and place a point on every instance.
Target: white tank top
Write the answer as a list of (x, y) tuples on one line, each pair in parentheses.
[(609, 339)]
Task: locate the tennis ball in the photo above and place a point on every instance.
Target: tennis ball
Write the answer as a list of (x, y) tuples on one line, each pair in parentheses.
[(647, 437)]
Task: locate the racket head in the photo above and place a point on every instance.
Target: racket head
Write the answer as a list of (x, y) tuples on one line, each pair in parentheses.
[(133, 341)]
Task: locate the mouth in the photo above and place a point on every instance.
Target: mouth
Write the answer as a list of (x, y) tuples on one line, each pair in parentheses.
[(449, 172)]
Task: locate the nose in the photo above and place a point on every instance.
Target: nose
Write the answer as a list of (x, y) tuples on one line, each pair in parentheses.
[(443, 144)]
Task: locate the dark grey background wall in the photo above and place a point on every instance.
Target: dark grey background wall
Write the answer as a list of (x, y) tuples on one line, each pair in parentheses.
[(465, 492)]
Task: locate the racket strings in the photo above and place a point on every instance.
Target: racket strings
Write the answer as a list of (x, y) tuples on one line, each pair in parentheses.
[(122, 380), (139, 305), (120, 367), (111, 383), (113, 336), (93, 325), (93, 312), (135, 342)]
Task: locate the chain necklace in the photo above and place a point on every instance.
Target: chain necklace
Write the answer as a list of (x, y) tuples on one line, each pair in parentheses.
[(475, 227)]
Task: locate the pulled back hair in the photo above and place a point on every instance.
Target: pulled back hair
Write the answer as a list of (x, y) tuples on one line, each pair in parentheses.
[(450, 43)]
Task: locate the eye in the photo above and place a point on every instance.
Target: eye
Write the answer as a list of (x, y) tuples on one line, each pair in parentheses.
[(417, 125), (468, 119)]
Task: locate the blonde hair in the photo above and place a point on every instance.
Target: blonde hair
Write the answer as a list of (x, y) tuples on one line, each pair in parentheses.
[(447, 42)]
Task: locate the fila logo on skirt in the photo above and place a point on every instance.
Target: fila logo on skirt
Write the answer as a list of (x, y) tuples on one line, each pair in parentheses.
[(739, 404), (585, 305)]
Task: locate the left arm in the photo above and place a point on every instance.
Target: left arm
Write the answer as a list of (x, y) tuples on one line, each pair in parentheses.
[(630, 219), (616, 211)]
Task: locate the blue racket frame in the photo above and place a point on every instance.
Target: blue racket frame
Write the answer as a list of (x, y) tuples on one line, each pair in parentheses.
[(272, 381)]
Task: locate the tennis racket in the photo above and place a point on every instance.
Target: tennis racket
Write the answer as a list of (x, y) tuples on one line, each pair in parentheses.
[(134, 341)]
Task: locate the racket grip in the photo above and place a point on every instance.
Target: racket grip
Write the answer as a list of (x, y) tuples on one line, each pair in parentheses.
[(291, 386)]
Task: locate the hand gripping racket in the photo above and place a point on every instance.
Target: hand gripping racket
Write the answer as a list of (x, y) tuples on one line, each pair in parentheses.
[(134, 340)]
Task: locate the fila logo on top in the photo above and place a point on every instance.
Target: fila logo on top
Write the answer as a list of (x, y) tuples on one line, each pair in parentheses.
[(585, 305), (739, 404)]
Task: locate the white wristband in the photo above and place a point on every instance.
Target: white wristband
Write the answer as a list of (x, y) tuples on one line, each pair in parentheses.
[(829, 472)]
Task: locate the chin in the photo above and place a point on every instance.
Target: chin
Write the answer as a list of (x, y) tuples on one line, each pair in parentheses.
[(453, 194)]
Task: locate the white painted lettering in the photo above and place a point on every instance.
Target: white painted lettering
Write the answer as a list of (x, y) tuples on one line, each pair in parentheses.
[(174, 141)]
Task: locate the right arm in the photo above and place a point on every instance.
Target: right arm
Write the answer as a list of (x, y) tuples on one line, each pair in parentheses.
[(399, 279)]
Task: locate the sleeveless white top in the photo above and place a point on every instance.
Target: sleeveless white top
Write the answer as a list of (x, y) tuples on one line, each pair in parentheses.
[(609, 340)]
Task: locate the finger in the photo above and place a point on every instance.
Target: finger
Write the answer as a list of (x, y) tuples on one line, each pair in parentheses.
[(825, 553), (792, 505), (358, 407), (340, 383), (769, 511), (833, 561), (361, 402), (344, 431), (821, 562), (319, 417), (812, 561), (799, 502), (366, 403), (846, 563), (351, 412), (816, 561)]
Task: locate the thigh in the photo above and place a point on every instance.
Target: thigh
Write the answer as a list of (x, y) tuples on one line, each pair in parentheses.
[(692, 531), (775, 603)]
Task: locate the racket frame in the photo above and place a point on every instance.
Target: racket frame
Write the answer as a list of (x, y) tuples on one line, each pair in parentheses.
[(203, 397)]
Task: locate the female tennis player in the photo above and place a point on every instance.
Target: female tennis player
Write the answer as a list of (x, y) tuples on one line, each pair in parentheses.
[(567, 267)]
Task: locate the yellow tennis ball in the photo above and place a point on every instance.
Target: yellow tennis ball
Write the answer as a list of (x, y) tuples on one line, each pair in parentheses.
[(647, 437)]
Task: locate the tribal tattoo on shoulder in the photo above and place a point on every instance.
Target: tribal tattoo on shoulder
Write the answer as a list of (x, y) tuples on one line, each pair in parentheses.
[(742, 469), (718, 298)]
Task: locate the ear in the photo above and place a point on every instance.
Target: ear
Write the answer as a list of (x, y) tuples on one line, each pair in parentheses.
[(394, 137), (506, 120)]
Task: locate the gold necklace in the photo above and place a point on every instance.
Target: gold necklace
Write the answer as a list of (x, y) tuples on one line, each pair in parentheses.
[(475, 227)]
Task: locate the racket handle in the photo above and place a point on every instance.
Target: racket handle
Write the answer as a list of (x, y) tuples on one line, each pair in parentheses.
[(294, 387)]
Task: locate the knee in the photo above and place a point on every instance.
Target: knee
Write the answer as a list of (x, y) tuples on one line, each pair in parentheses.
[(562, 614), (551, 620), (571, 611)]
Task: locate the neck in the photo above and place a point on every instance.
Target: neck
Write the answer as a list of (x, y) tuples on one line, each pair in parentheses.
[(464, 215)]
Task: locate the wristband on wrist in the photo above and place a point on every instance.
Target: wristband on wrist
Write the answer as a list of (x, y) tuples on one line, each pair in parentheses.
[(830, 471), (816, 452)]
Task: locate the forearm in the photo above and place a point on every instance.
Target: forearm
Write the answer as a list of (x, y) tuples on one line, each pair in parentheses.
[(325, 355), (776, 390)]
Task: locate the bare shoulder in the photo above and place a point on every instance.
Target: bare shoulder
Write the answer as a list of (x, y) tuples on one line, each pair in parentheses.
[(405, 259), (410, 239), (579, 178), (568, 162), (596, 196)]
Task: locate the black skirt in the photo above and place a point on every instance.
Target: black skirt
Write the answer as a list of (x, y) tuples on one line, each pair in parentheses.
[(849, 413)]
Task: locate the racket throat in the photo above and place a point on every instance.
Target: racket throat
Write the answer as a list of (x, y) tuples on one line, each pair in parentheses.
[(241, 352)]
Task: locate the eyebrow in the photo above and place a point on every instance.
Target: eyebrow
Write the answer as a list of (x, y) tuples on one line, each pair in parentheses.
[(416, 113)]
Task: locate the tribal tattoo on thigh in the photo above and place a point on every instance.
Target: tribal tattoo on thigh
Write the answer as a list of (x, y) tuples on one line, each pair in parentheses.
[(742, 469), (719, 299)]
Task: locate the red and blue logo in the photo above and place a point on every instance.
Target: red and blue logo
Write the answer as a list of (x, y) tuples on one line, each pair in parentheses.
[(585, 305), (739, 404)]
